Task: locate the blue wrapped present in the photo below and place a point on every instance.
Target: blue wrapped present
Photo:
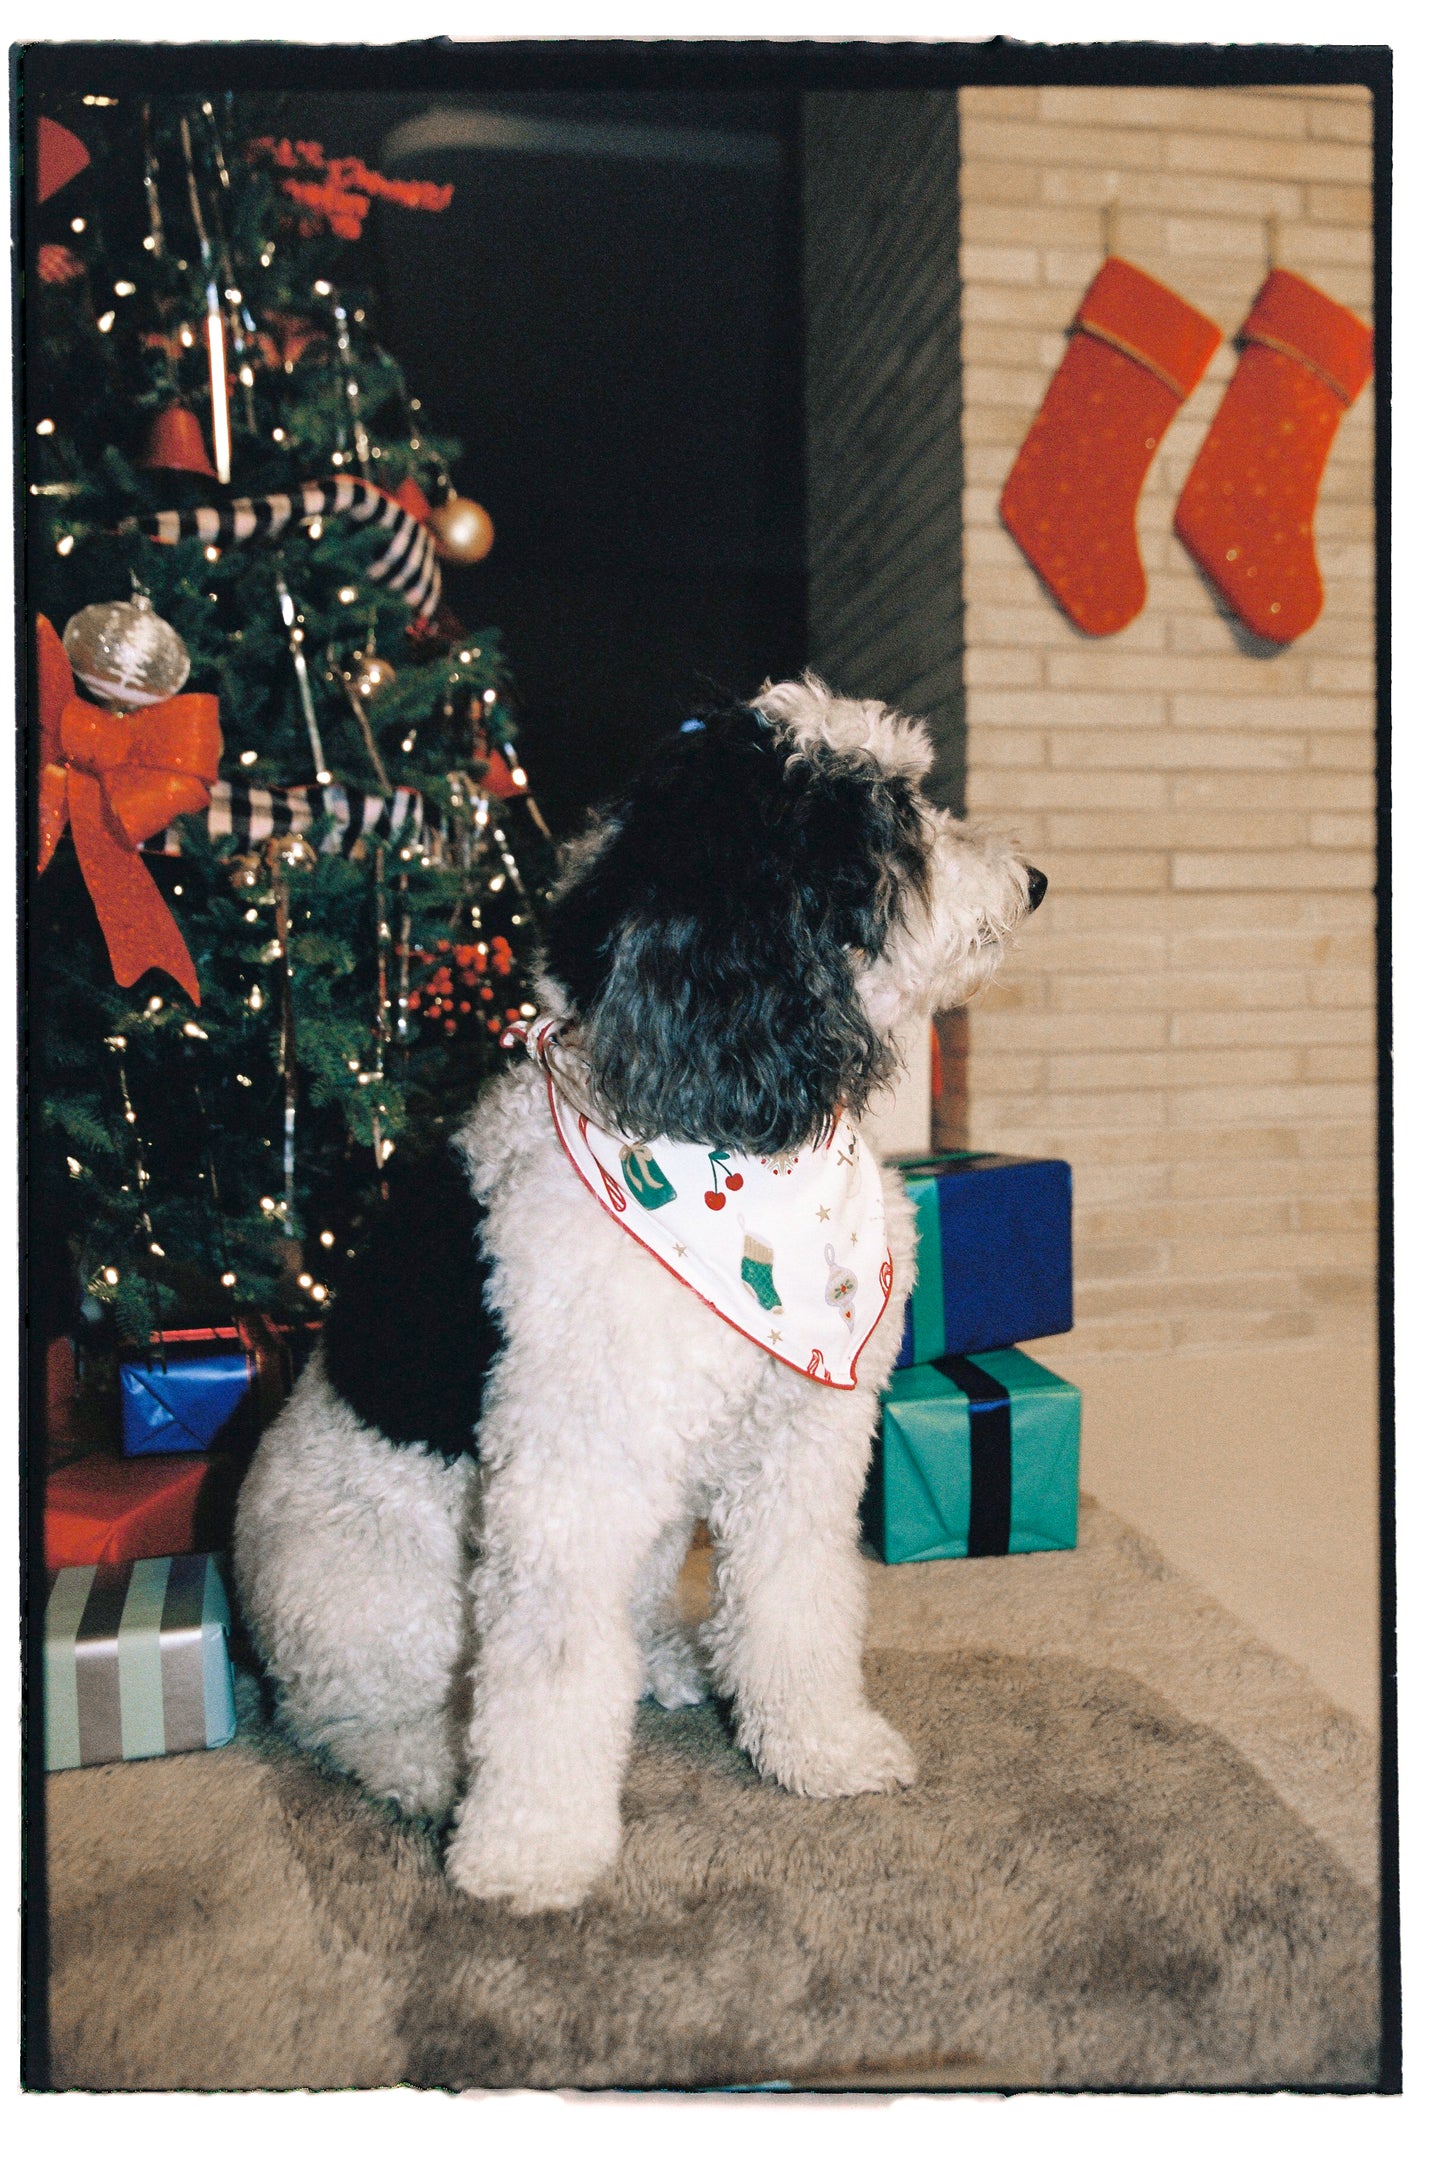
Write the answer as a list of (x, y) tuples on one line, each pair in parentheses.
[(193, 1386), (995, 1253), (974, 1456)]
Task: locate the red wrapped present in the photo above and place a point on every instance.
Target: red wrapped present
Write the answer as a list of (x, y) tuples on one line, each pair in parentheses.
[(80, 1415), (101, 1509), (60, 1391), (302, 1336)]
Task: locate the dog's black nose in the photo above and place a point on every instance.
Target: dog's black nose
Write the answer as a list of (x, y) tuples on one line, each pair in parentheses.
[(1038, 886)]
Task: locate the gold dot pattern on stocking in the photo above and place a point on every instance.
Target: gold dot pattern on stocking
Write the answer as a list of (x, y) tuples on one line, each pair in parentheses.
[(1136, 352), (1246, 513), (1072, 497)]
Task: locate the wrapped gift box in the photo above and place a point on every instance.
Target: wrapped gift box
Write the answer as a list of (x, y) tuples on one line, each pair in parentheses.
[(301, 1338), (995, 1253), (974, 1456), (102, 1510), (136, 1661), (61, 1394), (191, 1387), (82, 1411)]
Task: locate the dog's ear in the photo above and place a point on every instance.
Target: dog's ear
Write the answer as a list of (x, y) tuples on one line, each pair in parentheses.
[(710, 943)]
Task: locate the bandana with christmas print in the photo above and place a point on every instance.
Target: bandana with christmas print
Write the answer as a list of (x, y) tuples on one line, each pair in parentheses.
[(789, 1249)]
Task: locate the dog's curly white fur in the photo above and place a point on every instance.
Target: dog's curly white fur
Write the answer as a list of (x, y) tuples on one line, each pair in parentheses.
[(475, 1633)]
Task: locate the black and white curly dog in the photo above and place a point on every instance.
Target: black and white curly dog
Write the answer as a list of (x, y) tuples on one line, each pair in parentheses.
[(457, 1546)]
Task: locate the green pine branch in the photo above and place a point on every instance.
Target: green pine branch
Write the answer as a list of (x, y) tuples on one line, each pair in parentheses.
[(200, 1174)]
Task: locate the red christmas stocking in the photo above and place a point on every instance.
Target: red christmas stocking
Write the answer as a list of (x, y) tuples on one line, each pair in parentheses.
[(1247, 511), (1136, 352)]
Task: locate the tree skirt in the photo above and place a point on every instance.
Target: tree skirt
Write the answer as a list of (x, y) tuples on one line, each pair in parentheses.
[(1136, 1857)]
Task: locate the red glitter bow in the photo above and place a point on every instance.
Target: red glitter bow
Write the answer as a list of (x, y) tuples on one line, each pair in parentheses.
[(116, 778)]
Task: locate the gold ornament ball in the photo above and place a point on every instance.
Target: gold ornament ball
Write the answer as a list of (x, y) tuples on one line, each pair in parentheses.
[(291, 851), (125, 653), (248, 873), (462, 530), (370, 673)]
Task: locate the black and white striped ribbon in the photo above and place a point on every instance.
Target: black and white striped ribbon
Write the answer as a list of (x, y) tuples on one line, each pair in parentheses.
[(253, 814), (406, 561)]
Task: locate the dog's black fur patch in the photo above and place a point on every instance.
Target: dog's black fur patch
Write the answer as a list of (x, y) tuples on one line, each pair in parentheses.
[(709, 944), (409, 1340)]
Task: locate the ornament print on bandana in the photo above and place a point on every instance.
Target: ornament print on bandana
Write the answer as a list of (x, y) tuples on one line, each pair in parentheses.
[(789, 1249), (842, 1289)]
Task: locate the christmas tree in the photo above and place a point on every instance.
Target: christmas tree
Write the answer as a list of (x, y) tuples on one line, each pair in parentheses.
[(251, 695)]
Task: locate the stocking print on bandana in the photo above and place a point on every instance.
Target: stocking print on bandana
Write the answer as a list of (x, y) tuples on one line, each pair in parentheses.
[(790, 1249)]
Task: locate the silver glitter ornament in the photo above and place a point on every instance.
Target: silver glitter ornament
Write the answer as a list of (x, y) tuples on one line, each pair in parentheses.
[(125, 653)]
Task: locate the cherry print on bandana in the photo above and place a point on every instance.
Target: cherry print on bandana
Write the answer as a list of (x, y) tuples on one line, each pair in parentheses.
[(773, 1272)]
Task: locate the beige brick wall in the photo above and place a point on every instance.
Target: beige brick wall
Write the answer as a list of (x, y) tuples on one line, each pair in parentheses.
[(1190, 1017)]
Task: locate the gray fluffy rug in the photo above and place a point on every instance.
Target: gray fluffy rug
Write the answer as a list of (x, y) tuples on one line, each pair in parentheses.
[(1103, 1878)]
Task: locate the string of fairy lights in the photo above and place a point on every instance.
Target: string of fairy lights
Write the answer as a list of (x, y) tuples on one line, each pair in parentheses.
[(264, 879), (474, 836)]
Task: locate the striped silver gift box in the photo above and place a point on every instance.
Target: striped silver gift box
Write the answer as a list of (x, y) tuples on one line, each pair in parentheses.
[(136, 1661)]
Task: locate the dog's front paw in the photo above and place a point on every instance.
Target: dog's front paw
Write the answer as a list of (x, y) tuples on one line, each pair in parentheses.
[(540, 1867), (864, 1755), (671, 1673)]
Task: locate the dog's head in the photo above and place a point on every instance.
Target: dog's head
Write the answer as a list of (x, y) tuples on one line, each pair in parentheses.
[(742, 934)]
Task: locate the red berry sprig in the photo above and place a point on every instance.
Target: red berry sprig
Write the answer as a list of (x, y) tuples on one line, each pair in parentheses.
[(459, 989)]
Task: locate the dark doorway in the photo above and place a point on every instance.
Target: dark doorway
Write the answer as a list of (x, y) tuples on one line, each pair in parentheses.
[(609, 319)]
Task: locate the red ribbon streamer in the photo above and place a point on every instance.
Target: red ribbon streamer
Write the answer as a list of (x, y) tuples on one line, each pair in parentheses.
[(116, 778)]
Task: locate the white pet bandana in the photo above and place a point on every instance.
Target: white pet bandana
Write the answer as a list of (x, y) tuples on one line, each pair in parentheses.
[(789, 1249)]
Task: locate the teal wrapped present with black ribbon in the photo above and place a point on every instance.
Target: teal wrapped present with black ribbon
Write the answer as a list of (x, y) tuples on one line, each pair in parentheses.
[(974, 1456), (995, 1253), (136, 1661)]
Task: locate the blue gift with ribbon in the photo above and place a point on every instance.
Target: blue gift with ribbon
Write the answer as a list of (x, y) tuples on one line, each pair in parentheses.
[(995, 1253), (193, 1386), (974, 1456)]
